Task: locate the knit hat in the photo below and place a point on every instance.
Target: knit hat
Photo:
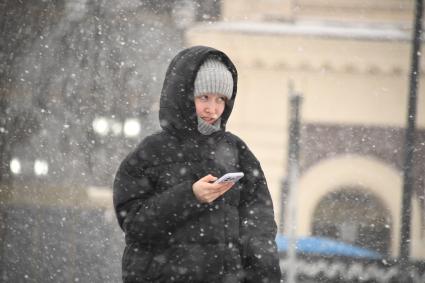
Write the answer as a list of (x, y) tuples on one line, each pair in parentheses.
[(213, 77)]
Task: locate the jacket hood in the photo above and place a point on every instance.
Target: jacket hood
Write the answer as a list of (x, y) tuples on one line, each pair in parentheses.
[(177, 113)]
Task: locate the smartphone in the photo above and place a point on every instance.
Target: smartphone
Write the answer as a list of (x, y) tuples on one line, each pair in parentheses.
[(230, 177)]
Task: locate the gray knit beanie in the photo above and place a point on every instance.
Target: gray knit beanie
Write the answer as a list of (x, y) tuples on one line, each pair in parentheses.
[(214, 77)]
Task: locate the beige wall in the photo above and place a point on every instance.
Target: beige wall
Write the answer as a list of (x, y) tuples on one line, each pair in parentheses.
[(343, 81), (387, 11)]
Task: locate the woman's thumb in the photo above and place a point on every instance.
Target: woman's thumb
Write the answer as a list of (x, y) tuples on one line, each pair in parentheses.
[(209, 178)]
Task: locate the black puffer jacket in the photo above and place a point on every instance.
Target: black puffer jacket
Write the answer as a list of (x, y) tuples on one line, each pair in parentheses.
[(170, 236)]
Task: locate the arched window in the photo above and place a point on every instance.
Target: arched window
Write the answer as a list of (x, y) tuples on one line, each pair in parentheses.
[(355, 216)]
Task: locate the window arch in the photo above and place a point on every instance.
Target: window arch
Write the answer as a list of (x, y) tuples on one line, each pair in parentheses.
[(355, 216)]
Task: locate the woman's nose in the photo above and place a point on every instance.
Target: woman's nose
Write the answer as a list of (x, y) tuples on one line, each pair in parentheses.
[(211, 107)]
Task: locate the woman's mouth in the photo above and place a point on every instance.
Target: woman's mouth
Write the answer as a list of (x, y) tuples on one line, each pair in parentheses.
[(209, 120)]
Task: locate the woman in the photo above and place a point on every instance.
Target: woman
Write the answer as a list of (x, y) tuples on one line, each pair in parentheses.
[(180, 226)]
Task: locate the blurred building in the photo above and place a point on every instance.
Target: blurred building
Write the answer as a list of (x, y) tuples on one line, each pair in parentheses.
[(350, 60)]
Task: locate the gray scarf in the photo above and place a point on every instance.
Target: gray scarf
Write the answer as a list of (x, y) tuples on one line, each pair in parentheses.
[(207, 129)]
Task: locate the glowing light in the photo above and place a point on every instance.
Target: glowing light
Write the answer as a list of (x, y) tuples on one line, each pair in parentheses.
[(15, 166), (41, 167), (132, 128), (100, 126)]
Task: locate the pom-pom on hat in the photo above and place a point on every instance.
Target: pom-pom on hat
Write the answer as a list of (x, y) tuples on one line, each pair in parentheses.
[(213, 77)]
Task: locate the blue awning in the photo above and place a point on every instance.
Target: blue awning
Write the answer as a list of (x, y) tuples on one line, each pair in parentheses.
[(325, 246)]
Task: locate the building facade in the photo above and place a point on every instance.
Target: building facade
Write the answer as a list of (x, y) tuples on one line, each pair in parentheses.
[(350, 61)]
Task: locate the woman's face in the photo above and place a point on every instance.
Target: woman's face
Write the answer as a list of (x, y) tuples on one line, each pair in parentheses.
[(210, 106)]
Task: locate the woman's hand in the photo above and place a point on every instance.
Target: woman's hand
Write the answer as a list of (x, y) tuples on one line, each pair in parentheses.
[(207, 192)]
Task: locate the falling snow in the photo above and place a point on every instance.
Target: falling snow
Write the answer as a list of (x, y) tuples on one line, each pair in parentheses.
[(80, 83)]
